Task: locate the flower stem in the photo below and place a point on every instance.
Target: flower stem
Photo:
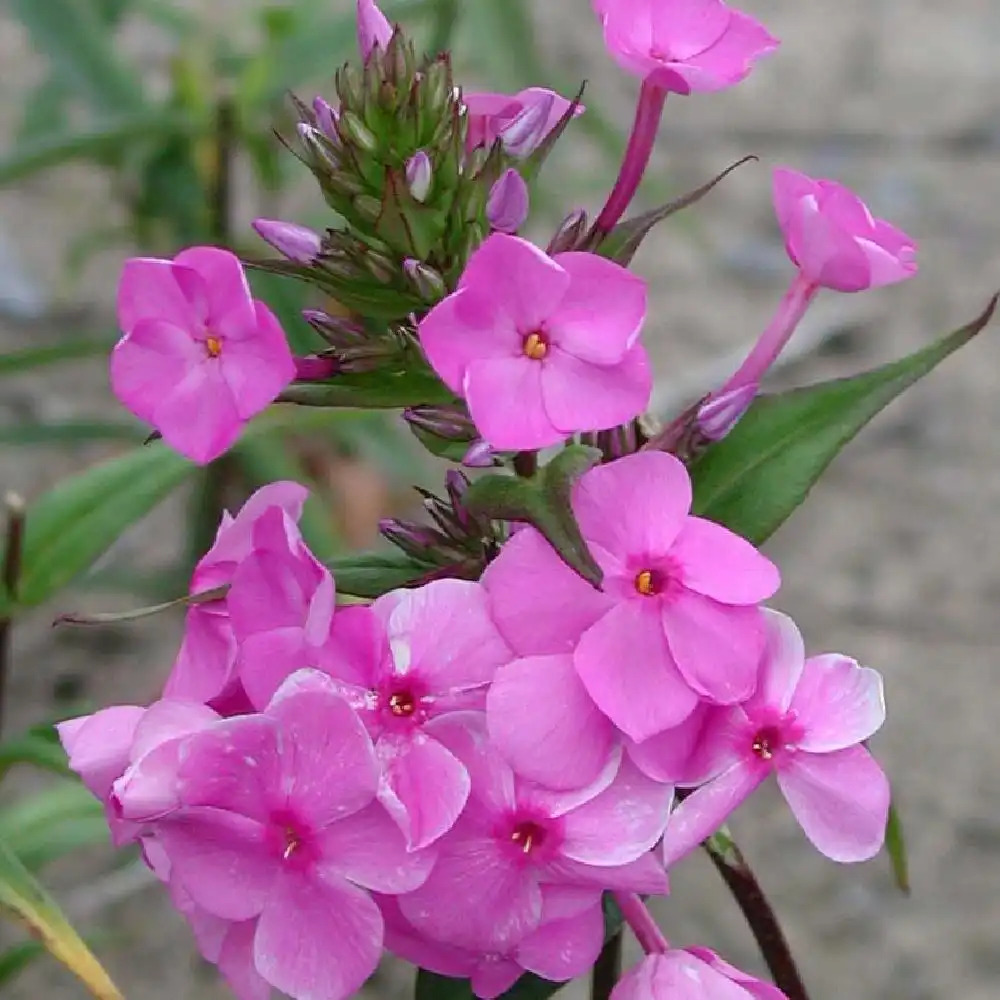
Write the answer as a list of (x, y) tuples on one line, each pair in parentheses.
[(11, 574), (641, 923), (759, 914), (648, 112), (607, 969)]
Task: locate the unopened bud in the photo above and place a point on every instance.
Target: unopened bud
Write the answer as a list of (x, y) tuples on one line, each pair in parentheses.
[(316, 147), (297, 243), (419, 173), (719, 416), (314, 368), (570, 233), (507, 206), (338, 331), (326, 119), (429, 284), (373, 28), (479, 456), (413, 539), (448, 422), (353, 128), (523, 135)]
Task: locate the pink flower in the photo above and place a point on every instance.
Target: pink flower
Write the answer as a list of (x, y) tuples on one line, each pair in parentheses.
[(541, 347), (565, 944), (205, 666), (677, 618), (373, 28), (485, 891), (279, 824), (199, 356), (521, 121), (690, 974), (410, 659), (834, 240), (683, 45), (806, 724)]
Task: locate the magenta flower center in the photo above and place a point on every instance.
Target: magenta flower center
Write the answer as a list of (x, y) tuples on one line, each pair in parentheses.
[(649, 582), (292, 840), (213, 346), (535, 346), (528, 836), (767, 742), (402, 704)]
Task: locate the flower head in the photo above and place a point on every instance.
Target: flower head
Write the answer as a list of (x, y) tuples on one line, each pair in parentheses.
[(541, 347), (806, 723), (833, 238), (683, 45), (199, 356), (690, 974)]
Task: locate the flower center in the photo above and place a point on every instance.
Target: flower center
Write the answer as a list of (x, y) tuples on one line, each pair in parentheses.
[(213, 346), (292, 842), (648, 582), (528, 836), (402, 704), (535, 346), (767, 742)]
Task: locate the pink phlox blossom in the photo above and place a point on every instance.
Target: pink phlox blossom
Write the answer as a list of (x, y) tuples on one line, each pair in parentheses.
[(565, 944), (205, 669), (683, 45), (374, 28), (412, 658), (833, 238), (521, 121), (677, 618), (278, 823), (199, 356), (806, 723), (541, 347), (690, 974), (485, 892)]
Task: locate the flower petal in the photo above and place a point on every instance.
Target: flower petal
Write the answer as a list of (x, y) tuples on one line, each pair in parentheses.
[(148, 290), (229, 303), (780, 664), (258, 366), (492, 385), (563, 949), (198, 417)]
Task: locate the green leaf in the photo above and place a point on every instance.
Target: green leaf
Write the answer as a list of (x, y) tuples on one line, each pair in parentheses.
[(17, 959), (67, 349), (752, 480), (73, 524), (544, 501), (73, 431), (895, 845), (23, 899), (372, 574), (39, 746), (402, 386)]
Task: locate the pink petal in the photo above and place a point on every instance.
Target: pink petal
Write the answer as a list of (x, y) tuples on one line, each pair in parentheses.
[(716, 646), (722, 565), (685, 28), (256, 368), (403, 940), (635, 505), (789, 187), (602, 312), (885, 267), (543, 721), (538, 603), (148, 290), (645, 875), (329, 764), (222, 859), (731, 58), (423, 786), (562, 901), (564, 949), (627, 669), (825, 253), (169, 719), (493, 976), (356, 646), (706, 809), (267, 659), (678, 975), (317, 940), (757, 988), (199, 418), (841, 800), (205, 660), (838, 703), (579, 395), (229, 303), (780, 664), (557, 108), (621, 823), (98, 745), (236, 964), (490, 389)]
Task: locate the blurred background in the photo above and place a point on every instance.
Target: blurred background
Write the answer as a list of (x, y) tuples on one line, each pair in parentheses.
[(126, 124)]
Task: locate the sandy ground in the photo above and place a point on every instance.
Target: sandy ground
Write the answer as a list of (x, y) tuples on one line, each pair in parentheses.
[(894, 559)]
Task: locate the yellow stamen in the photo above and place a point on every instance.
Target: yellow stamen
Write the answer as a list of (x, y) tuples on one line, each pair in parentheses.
[(402, 705), (644, 583), (535, 346), (214, 346)]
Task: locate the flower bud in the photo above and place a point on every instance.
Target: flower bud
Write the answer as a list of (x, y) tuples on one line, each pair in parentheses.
[(522, 136), (449, 422), (297, 243), (413, 539), (428, 283), (479, 456), (314, 368), (720, 415), (570, 232), (338, 331), (357, 132), (373, 28), (419, 175), (507, 206), (326, 119), (317, 148)]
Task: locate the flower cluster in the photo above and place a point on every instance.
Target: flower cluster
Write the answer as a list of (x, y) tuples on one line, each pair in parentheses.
[(459, 772)]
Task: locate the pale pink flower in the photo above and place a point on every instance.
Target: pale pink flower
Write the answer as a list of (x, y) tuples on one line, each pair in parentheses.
[(690, 974), (485, 891), (205, 666), (374, 28), (541, 347), (834, 239), (806, 724), (521, 121), (677, 618), (411, 658), (199, 356), (279, 824), (683, 45)]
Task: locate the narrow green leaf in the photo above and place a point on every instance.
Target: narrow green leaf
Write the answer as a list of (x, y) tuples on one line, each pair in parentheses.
[(135, 614), (72, 431), (753, 479), (24, 900), (66, 349), (895, 845), (372, 390), (39, 746), (372, 574), (17, 959), (543, 501)]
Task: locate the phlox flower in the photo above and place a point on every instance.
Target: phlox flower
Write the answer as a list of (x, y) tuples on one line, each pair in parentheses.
[(833, 238), (806, 724), (277, 823), (564, 945), (690, 974), (541, 347), (206, 662), (485, 893), (406, 662), (521, 121), (683, 45), (676, 620), (199, 356)]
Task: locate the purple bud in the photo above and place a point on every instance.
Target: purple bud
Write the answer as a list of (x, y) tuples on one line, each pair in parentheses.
[(479, 456), (373, 28), (429, 284), (297, 243), (448, 422), (338, 331), (316, 145), (419, 174), (313, 368), (326, 119), (529, 128), (719, 416), (507, 206), (413, 539)]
